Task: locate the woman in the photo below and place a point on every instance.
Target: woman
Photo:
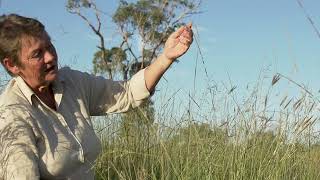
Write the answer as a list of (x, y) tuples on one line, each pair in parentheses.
[(45, 126)]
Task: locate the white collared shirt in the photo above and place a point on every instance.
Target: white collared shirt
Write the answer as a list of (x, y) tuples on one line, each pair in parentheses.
[(39, 142)]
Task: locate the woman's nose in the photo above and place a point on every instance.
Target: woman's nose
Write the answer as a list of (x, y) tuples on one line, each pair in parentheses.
[(50, 55)]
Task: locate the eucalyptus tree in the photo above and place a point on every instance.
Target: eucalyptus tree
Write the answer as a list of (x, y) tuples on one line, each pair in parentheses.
[(148, 21), (142, 27)]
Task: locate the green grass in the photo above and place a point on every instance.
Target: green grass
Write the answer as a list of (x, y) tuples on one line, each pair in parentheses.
[(263, 136)]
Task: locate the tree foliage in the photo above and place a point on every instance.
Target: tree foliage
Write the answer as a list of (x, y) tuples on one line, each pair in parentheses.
[(148, 21)]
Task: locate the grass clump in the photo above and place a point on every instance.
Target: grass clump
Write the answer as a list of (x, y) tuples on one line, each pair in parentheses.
[(262, 136)]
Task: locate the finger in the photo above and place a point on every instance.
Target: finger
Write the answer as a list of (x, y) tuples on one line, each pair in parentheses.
[(185, 41), (182, 29), (189, 25), (187, 34), (188, 38), (178, 32), (184, 45)]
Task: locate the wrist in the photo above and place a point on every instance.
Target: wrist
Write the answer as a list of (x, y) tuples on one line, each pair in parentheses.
[(165, 60)]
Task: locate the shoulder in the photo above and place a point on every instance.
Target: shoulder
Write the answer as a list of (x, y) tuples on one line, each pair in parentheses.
[(68, 74), (17, 116), (12, 95), (14, 105), (77, 78)]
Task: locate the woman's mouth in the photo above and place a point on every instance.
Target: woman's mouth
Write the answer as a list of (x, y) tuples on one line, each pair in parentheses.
[(50, 69)]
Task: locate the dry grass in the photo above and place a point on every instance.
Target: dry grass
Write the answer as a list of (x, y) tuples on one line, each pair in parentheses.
[(262, 136)]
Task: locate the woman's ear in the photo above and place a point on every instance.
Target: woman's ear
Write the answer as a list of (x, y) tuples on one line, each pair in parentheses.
[(14, 69)]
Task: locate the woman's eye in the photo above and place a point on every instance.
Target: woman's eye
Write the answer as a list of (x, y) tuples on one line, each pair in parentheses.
[(37, 54)]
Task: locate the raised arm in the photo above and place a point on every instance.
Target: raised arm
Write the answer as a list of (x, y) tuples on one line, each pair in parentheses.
[(176, 45)]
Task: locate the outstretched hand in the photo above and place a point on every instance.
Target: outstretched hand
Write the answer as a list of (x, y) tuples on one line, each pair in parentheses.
[(178, 42)]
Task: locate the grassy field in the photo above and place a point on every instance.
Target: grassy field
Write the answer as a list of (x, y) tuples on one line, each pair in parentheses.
[(265, 135)]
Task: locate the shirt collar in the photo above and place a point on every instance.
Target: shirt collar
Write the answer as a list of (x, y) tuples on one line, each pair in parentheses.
[(24, 88), (28, 92)]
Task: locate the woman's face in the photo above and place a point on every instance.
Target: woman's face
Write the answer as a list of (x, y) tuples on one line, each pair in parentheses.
[(38, 61)]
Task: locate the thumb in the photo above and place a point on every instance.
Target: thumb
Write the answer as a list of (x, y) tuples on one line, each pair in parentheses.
[(189, 25)]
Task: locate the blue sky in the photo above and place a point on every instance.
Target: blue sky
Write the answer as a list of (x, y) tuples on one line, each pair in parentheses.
[(238, 40)]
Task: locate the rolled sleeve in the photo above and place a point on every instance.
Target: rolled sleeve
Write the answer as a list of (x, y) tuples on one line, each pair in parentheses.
[(108, 96), (138, 87)]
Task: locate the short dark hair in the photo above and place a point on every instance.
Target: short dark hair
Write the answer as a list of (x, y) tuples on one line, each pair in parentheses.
[(13, 28)]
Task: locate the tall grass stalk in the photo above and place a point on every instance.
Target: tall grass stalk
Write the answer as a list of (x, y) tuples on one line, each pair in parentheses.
[(262, 136)]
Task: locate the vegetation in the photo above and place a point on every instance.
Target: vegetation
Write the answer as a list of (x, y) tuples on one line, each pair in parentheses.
[(148, 21), (260, 135)]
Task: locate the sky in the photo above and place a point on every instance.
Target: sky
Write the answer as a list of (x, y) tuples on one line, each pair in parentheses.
[(236, 41)]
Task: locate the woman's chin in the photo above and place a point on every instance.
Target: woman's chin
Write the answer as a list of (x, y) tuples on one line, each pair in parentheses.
[(51, 76)]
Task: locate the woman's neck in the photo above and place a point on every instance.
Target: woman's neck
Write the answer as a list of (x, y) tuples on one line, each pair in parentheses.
[(47, 96)]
